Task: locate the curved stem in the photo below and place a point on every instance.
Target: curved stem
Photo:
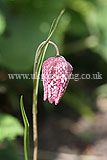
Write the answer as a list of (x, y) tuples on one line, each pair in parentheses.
[(35, 83), (57, 50), (37, 67), (35, 88)]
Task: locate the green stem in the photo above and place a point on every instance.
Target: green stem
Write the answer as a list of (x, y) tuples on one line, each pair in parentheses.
[(35, 136), (37, 68)]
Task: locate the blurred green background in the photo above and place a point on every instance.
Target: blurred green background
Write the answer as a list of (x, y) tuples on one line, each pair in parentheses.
[(78, 124)]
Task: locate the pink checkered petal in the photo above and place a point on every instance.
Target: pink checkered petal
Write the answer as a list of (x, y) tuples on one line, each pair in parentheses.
[(56, 73)]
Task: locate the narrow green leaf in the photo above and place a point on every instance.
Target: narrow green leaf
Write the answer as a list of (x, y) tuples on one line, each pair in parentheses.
[(52, 26), (26, 131)]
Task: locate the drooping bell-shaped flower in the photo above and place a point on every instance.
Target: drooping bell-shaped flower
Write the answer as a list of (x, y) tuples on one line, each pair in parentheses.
[(56, 73)]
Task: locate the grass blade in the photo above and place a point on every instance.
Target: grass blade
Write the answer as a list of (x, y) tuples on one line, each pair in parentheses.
[(26, 130)]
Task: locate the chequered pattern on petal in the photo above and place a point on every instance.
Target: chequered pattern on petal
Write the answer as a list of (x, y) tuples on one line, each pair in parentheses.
[(56, 73)]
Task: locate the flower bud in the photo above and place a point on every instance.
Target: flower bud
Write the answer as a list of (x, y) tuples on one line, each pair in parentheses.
[(56, 73)]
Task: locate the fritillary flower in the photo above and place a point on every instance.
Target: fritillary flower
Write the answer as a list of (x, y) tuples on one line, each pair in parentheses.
[(56, 73)]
